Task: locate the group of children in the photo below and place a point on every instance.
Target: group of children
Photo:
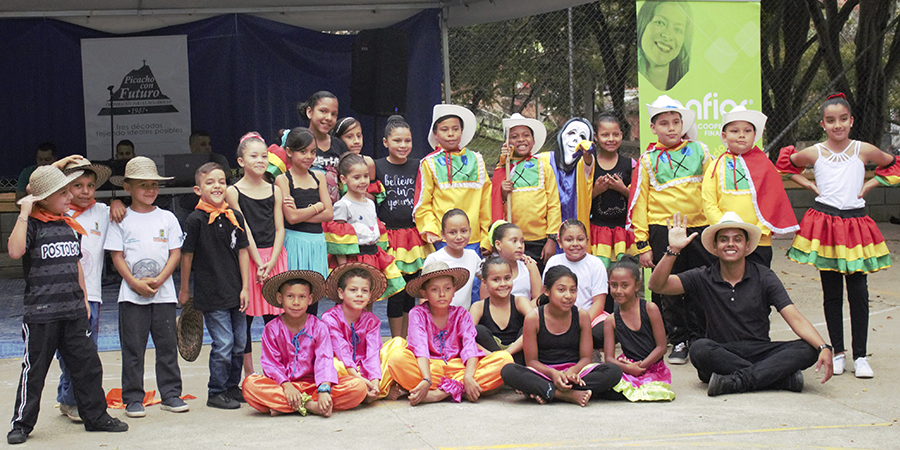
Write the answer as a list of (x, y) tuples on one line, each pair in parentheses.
[(337, 224)]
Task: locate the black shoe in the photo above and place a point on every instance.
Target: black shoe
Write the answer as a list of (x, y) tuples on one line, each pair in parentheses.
[(112, 425), (679, 354), (894, 220), (722, 384), (222, 401), (236, 393), (16, 436), (793, 382)]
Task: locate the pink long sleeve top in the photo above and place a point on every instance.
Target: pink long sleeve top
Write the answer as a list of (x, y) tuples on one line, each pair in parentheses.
[(358, 344), (305, 356), (457, 340)]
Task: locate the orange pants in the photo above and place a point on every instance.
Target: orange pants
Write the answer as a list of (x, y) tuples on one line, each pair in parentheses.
[(263, 393), (404, 367), (387, 349)]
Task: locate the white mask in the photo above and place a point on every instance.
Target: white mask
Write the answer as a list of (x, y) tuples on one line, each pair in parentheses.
[(574, 133)]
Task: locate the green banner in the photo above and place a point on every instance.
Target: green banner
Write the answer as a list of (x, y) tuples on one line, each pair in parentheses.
[(705, 54)]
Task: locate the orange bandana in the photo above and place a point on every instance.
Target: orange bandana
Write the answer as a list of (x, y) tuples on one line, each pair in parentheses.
[(215, 212), (78, 210), (44, 216)]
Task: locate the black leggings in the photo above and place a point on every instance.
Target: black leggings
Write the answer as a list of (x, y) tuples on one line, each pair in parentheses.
[(858, 297), (523, 379), (401, 302), (248, 349), (485, 339)]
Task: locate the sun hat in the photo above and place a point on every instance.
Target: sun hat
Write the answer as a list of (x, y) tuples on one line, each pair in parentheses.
[(273, 284), (379, 281), (138, 168), (667, 104), (100, 171), (436, 269), (469, 123), (730, 220), (739, 112), (538, 130), (45, 180), (189, 331)]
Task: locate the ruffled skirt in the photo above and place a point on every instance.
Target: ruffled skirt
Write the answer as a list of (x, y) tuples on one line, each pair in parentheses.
[(653, 386), (408, 249), (840, 241), (306, 251), (610, 244), (258, 306)]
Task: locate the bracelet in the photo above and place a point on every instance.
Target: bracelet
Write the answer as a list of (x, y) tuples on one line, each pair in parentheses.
[(21, 219), (671, 253), (554, 237), (315, 207), (428, 380)]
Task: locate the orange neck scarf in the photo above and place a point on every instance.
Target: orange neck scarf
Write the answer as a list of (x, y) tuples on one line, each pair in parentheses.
[(215, 212), (78, 210), (45, 216)]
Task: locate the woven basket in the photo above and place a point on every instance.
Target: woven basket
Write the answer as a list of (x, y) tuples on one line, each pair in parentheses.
[(190, 331)]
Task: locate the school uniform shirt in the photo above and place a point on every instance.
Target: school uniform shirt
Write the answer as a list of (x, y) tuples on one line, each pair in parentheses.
[(668, 181), (357, 345), (469, 261), (305, 356), (456, 340), (146, 239), (94, 220), (399, 181), (535, 198), (52, 292), (215, 266), (591, 275)]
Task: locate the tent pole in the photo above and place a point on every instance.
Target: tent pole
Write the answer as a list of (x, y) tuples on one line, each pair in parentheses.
[(445, 51)]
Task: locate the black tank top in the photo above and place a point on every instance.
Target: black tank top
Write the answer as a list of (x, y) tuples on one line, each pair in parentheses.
[(513, 328), (302, 199), (636, 345), (610, 208), (559, 348), (260, 217)]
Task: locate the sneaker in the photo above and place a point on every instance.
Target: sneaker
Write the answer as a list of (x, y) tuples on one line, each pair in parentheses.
[(174, 404), (110, 426), (838, 363), (135, 409), (721, 384), (679, 354), (861, 368), (16, 436), (222, 401), (236, 393), (70, 411)]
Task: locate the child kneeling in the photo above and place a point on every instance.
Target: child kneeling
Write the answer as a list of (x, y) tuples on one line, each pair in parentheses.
[(442, 359), (297, 358)]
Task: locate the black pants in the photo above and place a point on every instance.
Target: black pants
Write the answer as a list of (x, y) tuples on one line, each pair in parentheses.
[(523, 379), (401, 302), (136, 323), (534, 249), (858, 296), (756, 364), (485, 339), (266, 319), (684, 319), (762, 255), (72, 339)]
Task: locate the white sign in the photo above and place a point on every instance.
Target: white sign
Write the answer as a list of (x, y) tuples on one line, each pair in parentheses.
[(142, 84)]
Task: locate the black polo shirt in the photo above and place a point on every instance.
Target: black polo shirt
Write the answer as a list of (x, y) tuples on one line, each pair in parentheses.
[(739, 312), (215, 266)]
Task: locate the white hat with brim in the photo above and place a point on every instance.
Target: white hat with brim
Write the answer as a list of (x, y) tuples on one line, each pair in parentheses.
[(100, 171), (45, 180), (667, 104), (730, 220), (436, 269), (755, 118), (467, 118), (538, 130), (138, 168)]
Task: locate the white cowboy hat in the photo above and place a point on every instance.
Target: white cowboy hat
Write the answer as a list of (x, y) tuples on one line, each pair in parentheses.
[(667, 104), (730, 220), (45, 180), (466, 117), (756, 118), (538, 130), (138, 168)]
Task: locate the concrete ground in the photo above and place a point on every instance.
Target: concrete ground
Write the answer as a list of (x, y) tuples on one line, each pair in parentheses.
[(846, 412)]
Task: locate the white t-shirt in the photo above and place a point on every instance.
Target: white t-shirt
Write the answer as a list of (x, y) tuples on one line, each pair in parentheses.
[(591, 273), (361, 216), (471, 261), (522, 283), (95, 221), (146, 239)]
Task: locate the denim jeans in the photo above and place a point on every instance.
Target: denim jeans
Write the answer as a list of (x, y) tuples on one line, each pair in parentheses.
[(64, 393), (228, 330)]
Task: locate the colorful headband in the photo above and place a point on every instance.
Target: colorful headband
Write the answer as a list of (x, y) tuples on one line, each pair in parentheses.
[(839, 94), (250, 135), (494, 227)]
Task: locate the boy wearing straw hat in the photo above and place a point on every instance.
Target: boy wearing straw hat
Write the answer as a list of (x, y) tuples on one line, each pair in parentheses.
[(297, 357), (737, 295), (56, 314), (146, 247)]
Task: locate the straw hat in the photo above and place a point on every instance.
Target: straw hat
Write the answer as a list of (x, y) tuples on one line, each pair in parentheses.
[(189, 331), (730, 220), (138, 168), (379, 282), (45, 180), (437, 269), (538, 130), (667, 104), (756, 118), (273, 284), (466, 117), (100, 171)]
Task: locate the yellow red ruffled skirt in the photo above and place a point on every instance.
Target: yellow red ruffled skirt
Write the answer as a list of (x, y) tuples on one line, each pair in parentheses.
[(610, 244), (840, 241)]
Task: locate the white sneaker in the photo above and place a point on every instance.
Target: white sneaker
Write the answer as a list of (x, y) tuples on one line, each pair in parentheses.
[(862, 369), (838, 362)]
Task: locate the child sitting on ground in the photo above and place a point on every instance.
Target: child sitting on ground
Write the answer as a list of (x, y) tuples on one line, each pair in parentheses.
[(510, 311)]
